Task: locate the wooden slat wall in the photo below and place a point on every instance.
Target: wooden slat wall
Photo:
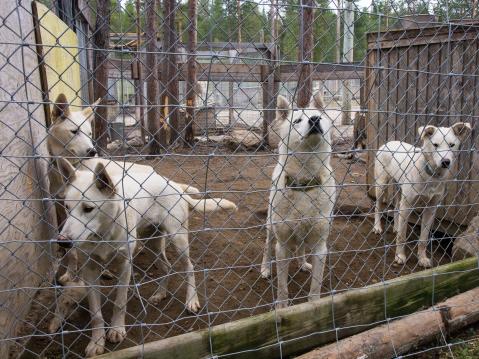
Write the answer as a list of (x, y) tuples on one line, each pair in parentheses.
[(426, 77)]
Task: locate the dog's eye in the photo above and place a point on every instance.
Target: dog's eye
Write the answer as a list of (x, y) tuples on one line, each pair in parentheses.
[(451, 145), (74, 131), (87, 209), (435, 145), (298, 120)]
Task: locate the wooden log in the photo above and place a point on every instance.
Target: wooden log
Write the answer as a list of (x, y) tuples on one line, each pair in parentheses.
[(191, 71), (153, 117), (100, 72), (302, 327), (172, 77), (401, 336), (305, 55)]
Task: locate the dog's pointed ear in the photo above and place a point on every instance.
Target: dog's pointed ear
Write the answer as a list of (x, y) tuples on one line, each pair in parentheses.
[(61, 108), (103, 181), (66, 170), (89, 110), (282, 108), (426, 131), (317, 101), (462, 129)]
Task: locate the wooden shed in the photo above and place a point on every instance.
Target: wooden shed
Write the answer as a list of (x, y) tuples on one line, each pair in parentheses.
[(427, 75)]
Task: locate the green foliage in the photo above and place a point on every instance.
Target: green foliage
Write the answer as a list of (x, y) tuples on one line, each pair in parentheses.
[(218, 21)]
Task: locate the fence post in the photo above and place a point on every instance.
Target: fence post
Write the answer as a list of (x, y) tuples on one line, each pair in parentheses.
[(305, 85), (191, 72), (153, 119), (347, 58), (171, 84), (101, 40)]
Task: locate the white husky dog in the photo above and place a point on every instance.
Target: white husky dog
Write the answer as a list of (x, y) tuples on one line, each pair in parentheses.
[(421, 174), (105, 213), (70, 136), (303, 194)]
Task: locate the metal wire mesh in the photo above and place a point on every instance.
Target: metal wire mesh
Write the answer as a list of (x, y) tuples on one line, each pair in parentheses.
[(220, 126)]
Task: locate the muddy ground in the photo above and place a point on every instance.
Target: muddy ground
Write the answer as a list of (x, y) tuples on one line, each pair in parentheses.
[(228, 253)]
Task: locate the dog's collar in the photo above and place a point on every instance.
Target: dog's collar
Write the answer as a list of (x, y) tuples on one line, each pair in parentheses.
[(430, 171), (303, 185)]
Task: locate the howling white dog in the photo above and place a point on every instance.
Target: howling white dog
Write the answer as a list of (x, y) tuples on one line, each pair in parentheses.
[(422, 174), (303, 194)]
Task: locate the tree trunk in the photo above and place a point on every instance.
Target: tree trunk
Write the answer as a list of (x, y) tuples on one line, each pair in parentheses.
[(101, 40), (305, 85), (172, 90), (153, 117), (191, 74)]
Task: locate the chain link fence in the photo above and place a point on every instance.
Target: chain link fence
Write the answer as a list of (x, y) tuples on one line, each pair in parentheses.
[(164, 161)]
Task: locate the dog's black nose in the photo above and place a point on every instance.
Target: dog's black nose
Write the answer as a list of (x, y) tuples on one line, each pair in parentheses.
[(91, 152), (64, 241), (445, 163), (315, 124)]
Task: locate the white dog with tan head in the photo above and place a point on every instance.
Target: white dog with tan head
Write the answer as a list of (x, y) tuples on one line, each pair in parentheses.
[(105, 213), (302, 195), (422, 175)]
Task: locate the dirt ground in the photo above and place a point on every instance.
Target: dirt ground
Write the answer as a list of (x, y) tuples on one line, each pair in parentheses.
[(226, 250)]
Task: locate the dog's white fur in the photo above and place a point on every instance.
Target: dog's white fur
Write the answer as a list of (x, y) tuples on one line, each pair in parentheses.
[(421, 174), (70, 136), (296, 218), (105, 213)]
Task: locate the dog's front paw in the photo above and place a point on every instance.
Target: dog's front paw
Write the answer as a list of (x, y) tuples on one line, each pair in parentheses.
[(95, 347), (193, 305), (425, 262), (265, 271), (306, 267), (116, 334), (157, 298), (400, 258), (106, 274), (54, 324), (65, 278), (378, 229)]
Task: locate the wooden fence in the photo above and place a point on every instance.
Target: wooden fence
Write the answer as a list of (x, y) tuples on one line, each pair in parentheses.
[(425, 76)]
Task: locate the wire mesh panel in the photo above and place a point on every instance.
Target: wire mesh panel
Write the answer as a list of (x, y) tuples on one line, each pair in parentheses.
[(172, 166)]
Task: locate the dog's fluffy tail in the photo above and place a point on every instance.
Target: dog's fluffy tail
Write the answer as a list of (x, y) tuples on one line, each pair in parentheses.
[(186, 188), (210, 204)]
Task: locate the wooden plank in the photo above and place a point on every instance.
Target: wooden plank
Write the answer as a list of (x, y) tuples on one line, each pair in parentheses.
[(249, 72), (305, 326), (416, 37), (391, 95), (411, 92), (421, 93), (467, 110), (474, 176), (59, 48), (404, 89), (372, 117)]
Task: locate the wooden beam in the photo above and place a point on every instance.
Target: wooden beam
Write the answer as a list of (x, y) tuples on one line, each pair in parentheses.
[(305, 55), (252, 72), (100, 73), (191, 71), (171, 81), (305, 326), (153, 118)]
